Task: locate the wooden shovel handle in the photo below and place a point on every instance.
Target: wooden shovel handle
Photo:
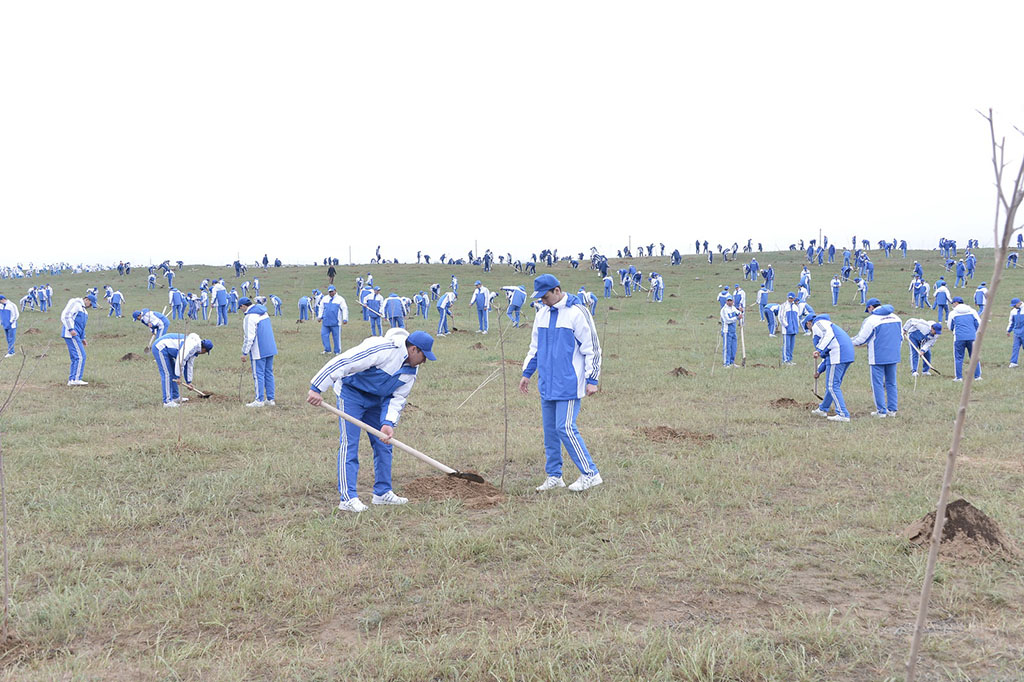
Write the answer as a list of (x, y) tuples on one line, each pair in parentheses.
[(394, 441)]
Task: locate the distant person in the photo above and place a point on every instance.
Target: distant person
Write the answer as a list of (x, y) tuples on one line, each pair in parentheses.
[(73, 320), (258, 343)]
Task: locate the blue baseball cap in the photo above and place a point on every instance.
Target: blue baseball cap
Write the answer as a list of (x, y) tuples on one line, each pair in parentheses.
[(476, 282), (135, 316), (871, 302), (957, 299), (424, 342), (245, 300), (790, 295), (937, 328), (207, 345), (1014, 301), (543, 284), (332, 288)]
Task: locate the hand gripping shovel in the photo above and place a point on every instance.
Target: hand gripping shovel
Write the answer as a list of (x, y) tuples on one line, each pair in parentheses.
[(476, 478)]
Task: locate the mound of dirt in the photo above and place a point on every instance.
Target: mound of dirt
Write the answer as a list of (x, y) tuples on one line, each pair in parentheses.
[(758, 364), (477, 346), (107, 335), (664, 434), (31, 331), (671, 321), (672, 296), (611, 307), (789, 402), (681, 372), (128, 357), (473, 495), (968, 533)]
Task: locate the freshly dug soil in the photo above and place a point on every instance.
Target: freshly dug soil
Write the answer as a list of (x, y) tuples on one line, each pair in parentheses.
[(477, 346), (671, 321), (128, 357), (968, 533), (789, 402), (681, 372), (31, 331), (664, 434), (473, 495)]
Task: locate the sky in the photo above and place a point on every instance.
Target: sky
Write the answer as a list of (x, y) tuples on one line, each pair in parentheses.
[(205, 131)]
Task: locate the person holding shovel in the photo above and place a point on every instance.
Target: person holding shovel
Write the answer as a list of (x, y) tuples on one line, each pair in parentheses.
[(832, 345), (372, 381), (73, 320), (564, 348)]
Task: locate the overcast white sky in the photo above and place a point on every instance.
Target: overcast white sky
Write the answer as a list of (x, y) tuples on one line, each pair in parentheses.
[(141, 130)]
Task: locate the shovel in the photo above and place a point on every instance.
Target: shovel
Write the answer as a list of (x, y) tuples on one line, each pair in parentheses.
[(743, 345), (195, 390), (475, 478), (815, 391)]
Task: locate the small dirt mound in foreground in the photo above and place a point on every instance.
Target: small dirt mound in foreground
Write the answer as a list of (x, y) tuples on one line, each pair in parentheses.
[(473, 495), (671, 321), (128, 357), (681, 372), (31, 331), (968, 533), (477, 346), (664, 434), (789, 402)]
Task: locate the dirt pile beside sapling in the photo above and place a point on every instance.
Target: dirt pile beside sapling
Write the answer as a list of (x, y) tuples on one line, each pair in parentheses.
[(968, 533), (436, 488), (681, 372), (128, 357), (665, 434), (789, 402)]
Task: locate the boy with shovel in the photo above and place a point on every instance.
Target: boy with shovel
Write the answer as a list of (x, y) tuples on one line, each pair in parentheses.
[(372, 381)]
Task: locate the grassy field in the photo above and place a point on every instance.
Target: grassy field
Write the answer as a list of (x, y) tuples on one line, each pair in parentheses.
[(732, 540)]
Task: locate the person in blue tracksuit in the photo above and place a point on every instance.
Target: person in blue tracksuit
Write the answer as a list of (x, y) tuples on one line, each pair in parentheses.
[(9, 315), (73, 320), (565, 350), (769, 277), (394, 311), (258, 343), (980, 297), (175, 356), (921, 335), (332, 314), (116, 300), (1015, 330), (151, 281), (372, 381), (233, 300), (304, 308), (607, 281), (789, 320), (170, 277), (941, 301), (961, 274), (963, 322), (157, 323), (424, 304), (771, 317), (835, 349), (480, 301), (373, 306), (723, 295), (444, 311), (761, 300), (276, 302), (516, 297), (729, 316), (835, 284), (589, 299), (882, 333), (177, 302), (219, 297)]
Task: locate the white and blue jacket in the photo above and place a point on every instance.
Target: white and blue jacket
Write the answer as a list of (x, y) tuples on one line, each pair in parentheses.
[(831, 341), (375, 367), (257, 334), (9, 314), (183, 350), (332, 311), (481, 298), (393, 307), (882, 331), (516, 295), (789, 316), (73, 318), (158, 322), (920, 333), (963, 322), (1016, 324), (565, 350)]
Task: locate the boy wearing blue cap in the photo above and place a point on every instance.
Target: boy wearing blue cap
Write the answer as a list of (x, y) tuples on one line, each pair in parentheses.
[(922, 335), (481, 301), (835, 349), (372, 381), (73, 320), (789, 316), (882, 333), (963, 321), (332, 312), (565, 349), (259, 345), (1015, 330), (9, 314)]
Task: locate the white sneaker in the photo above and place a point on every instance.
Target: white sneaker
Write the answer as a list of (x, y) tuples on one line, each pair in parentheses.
[(586, 482), (820, 412), (270, 402), (880, 415), (772, 335), (913, 374), (957, 380), (170, 403), (1012, 364), (353, 505), (78, 382), (551, 482), (255, 403), (926, 373), (838, 418), (11, 355), (389, 498), (182, 399)]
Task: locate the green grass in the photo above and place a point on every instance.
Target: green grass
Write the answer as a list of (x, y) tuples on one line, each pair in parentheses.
[(203, 543)]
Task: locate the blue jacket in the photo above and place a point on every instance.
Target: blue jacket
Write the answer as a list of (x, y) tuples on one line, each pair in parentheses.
[(258, 334), (565, 350), (1016, 322), (963, 322), (393, 307), (882, 332), (831, 341)]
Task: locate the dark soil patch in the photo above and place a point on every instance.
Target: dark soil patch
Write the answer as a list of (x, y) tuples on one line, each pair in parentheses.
[(477, 346), (128, 357), (665, 434), (671, 321), (436, 488), (968, 533), (900, 312), (31, 331), (789, 402), (107, 335), (711, 317), (614, 356), (681, 372), (214, 398), (672, 296), (758, 364), (611, 307)]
